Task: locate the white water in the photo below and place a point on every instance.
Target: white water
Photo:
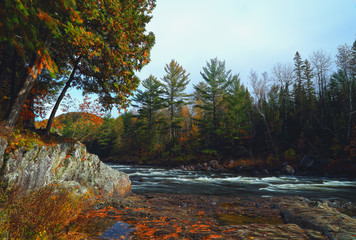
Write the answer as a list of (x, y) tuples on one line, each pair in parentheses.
[(160, 180)]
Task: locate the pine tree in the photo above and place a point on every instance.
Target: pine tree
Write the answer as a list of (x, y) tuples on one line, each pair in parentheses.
[(217, 79), (149, 102), (238, 109), (175, 82)]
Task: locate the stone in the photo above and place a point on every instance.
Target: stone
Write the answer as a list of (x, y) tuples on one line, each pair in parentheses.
[(68, 164), (214, 164), (287, 170), (198, 167), (3, 145), (317, 217), (313, 162)]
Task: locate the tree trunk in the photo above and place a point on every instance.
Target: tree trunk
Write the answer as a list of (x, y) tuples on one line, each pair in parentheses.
[(21, 97), (29, 121), (61, 96)]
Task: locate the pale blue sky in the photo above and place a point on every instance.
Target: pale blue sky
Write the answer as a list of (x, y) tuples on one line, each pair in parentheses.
[(245, 33)]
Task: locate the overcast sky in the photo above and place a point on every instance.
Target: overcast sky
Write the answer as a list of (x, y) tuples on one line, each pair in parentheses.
[(246, 33)]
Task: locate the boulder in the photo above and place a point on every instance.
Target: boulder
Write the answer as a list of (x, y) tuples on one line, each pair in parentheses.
[(287, 170), (313, 162), (214, 164), (198, 167), (65, 163)]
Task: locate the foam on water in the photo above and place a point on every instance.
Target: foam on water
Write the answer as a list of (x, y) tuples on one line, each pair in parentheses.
[(146, 179)]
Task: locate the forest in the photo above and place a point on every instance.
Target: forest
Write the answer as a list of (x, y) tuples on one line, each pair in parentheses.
[(301, 108), (53, 187)]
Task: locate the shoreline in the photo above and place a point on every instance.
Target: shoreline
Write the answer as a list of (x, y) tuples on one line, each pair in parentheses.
[(188, 216), (248, 171)]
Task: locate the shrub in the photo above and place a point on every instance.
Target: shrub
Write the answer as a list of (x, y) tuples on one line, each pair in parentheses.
[(42, 214)]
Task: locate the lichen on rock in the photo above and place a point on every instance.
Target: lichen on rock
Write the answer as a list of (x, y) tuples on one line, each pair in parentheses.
[(65, 163)]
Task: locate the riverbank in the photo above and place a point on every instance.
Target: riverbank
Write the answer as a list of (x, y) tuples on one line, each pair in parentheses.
[(186, 216), (309, 165)]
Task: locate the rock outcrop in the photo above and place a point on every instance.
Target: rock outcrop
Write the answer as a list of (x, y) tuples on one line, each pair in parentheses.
[(317, 217), (66, 163)]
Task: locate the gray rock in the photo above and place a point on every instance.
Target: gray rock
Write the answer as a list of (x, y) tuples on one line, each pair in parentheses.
[(320, 217), (67, 163), (288, 170), (198, 167), (3, 145), (214, 164), (313, 162)]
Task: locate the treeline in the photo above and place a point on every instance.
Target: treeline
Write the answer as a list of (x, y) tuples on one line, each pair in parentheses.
[(302, 108)]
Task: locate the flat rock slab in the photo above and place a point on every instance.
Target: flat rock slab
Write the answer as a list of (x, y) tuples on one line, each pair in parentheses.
[(265, 231), (169, 216), (317, 216)]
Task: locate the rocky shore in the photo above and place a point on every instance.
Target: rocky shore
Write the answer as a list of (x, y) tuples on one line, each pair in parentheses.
[(68, 164), (308, 166), (170, 216)]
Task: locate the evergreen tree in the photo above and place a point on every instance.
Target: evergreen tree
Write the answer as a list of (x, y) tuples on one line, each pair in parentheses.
[(149, 102), (237, 119), (175, 82), (217, 79)]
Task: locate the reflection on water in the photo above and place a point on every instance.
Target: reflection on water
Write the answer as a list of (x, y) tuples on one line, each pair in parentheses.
[(119, 230), (159, 180), (238, 219)]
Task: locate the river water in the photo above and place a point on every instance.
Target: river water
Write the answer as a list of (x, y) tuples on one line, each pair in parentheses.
[(160, 180)]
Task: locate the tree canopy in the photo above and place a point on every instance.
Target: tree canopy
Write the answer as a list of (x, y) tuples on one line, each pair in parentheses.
[(106, 42)]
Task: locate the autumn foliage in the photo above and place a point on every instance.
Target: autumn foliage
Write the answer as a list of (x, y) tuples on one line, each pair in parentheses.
[(40, 214)]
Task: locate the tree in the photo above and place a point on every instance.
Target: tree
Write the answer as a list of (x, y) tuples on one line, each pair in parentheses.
[(259, 86), (299, 92), (30, 27), (347, 66), (321, 62), (238, 108), (107, 42), (217, 79), (106, 59), (175, 82), (149, 103)]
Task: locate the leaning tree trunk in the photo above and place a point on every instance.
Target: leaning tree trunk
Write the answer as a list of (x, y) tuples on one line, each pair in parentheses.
[(22, 96), (61, 96)]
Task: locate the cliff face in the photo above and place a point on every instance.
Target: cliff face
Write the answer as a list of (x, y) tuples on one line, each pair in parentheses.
[(66, 163)]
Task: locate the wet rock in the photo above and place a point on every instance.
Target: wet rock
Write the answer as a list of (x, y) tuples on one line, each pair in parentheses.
[(67, 163), (318, 217), (287, 170), (214, 164), (313, 162), (198, 167)]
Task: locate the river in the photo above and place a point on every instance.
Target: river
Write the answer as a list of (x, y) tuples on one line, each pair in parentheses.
[(161, 180)]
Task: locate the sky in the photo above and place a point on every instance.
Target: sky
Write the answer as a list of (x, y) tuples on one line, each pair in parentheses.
[(246, 34)]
